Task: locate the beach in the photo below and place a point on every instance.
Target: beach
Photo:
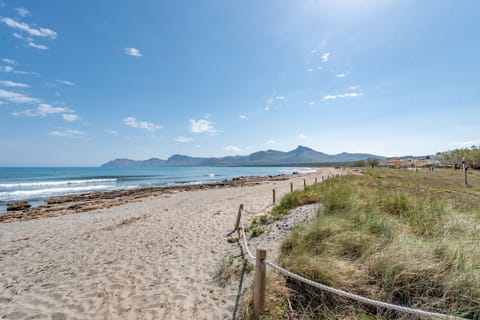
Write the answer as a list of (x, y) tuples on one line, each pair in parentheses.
[(152, 258)]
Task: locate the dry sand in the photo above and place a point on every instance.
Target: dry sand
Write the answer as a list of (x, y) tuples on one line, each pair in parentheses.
[(153, 259)]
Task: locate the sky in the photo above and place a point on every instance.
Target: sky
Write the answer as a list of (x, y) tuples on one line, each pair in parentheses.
[(83, 82)]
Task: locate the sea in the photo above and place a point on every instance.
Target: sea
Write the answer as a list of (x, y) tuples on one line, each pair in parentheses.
[(37, 185)]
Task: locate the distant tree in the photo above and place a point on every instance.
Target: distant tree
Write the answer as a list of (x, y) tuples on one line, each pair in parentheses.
[(359, 163), (373, 162)]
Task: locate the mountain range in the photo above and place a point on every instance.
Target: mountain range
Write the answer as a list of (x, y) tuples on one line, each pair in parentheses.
[(299, 156)]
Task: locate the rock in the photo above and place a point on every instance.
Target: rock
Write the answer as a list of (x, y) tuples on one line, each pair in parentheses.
[(17, 206)]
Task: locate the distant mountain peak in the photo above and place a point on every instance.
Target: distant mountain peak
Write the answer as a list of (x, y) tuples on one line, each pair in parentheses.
[(301, 155)]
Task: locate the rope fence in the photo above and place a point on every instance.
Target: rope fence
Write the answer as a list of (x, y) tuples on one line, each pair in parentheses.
[(259, 288)]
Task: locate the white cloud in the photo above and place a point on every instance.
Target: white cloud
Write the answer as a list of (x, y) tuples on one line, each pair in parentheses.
[(270, 142), (22, 12), (341, 75), (354, 87), (37, 46), (16, 97), (319, 68), (325, 56), (7, 68), (111, 132), (70, 117), (68, 83), (132, 122), (280, 97), (243, 117), (44, 110), (42, 32), (312, 103), (344, 95), (12, 84), (313, 51), (329, 97), (12, 70), (267, 108), (232, 149), (301, 136), (67, 133), (182, 139), (309, 69), (202, 125), (350, 95), (18, 36), (133, 52), (9, 61)]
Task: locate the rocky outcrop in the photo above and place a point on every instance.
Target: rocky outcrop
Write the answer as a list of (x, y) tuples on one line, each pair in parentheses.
[(18, 206)]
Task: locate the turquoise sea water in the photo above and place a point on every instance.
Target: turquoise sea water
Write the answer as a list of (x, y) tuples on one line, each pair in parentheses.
[(36, 185)]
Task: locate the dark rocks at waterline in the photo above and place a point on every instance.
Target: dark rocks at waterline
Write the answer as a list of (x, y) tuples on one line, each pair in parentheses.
[(18, 206)]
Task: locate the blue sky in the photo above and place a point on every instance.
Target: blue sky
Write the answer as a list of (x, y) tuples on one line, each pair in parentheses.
[(84, 82)]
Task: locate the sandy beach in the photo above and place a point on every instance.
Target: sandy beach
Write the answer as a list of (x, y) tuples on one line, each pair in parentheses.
[(150, 259)]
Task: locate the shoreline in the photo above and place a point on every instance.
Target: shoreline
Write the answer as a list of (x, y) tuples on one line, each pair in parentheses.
[(153, 258), (77, 203)]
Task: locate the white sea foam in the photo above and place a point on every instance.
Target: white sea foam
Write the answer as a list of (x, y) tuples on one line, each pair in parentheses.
[(50, 192), (307, 170), (54, 183)]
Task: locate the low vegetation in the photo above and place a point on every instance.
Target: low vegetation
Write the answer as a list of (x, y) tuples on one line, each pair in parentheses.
[(401, 237), (231, 267)]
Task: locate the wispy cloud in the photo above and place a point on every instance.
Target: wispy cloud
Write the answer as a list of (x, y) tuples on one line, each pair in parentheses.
[(132, 122), (111, 132), (15, 97), (325, 56), (12, 84), (9, 61), (10, 69), (76, 134), (232, 149), (37, 46), (182, 139), (7, 68), (203, 125), (22, 12), (344, 95), (41, 32), (313, 51), (310, 70), (66, 82), (270, 142), (133, 52), (341, 75), (44, 110), (354, 87), (301, 136), (70, 117), (311, 103), (243, 117), (280, 97)]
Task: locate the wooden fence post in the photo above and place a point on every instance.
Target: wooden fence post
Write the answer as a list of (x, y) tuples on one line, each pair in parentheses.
[(273, 195), (323, 178), (315, 179), (291, 186), (239, 215), (260, 282), (304, 184)]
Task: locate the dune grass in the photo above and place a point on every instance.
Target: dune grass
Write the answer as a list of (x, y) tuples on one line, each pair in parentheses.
[(401, 237)]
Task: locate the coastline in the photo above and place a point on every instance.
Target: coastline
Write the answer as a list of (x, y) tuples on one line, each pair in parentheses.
[(152, 258), (76, 203)]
